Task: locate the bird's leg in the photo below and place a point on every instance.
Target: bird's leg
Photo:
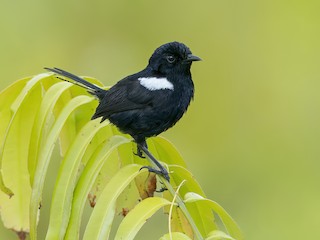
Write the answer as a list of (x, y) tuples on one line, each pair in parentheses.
[(141, 141), (139, 152), (162, 170)]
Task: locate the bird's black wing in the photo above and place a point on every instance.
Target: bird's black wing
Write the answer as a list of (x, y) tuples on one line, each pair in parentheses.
[(126, 95)]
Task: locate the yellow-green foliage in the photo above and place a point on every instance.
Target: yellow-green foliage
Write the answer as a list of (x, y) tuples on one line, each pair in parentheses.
[(97, 163)]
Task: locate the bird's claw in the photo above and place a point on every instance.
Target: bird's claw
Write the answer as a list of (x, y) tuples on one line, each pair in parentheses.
[(139, 154), (162, 190)]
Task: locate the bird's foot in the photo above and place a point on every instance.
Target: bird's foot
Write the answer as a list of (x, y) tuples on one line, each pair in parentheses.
[(140, 155), (162, 172), (162, 190)]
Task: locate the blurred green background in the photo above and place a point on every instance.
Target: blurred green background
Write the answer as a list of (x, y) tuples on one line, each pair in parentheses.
[(252, 135)]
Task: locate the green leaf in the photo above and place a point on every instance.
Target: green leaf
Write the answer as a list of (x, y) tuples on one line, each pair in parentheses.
[(11, 100), (101, 219), (136, 218), (175, 236), (79, 117), (66, 180), (217, 234), (109, 167), (14, 152), (7, 97), (179, 223), (86, 181), (107, 171), (226, 219), (44, 158), (42, 122), (165, 151), (201, 214)]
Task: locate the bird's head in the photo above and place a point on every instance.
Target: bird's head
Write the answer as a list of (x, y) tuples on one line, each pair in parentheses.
[(173, 57)]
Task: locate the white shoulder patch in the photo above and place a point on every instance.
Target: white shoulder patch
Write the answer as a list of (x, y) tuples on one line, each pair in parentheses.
[(153, 83)]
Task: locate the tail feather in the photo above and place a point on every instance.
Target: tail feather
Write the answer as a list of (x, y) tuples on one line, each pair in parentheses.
[(77, 80)]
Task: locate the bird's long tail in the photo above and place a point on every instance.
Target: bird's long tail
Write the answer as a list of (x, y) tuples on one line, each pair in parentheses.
[(91, 88)]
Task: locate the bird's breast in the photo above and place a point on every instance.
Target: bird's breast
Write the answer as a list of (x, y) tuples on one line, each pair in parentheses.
[(171, 105)]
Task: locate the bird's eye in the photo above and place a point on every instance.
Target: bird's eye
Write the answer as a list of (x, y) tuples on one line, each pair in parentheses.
[(171, 59)]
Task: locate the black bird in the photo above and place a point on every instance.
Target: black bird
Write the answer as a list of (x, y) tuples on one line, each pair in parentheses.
[(149, 102)]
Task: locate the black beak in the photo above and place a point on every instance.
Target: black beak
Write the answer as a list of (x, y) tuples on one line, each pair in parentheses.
[(192, 58)]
